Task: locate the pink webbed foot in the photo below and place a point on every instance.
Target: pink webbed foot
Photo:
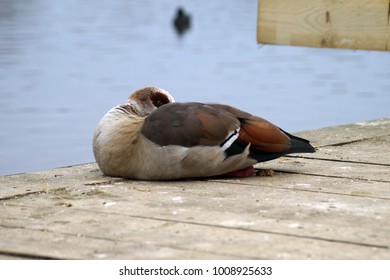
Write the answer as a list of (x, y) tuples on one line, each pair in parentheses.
[(246, 172)]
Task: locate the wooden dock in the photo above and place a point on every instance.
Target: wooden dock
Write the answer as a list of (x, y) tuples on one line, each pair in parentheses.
[(334, 204)]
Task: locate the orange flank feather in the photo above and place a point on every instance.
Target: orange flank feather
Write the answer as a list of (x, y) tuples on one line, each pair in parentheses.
[(263, 136)]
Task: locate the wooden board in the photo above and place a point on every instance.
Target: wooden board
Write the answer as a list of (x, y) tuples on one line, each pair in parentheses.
[(350, 24), (334, 204)]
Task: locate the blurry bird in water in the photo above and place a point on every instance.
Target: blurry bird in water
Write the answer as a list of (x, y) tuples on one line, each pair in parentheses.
[(182, 21)]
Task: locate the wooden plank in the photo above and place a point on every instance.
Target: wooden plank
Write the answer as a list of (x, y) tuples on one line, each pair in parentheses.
[(57, 245), (347, 134), (330, 168), (351, 24), (358, 151), (319, 184), (177, 241), (41, 181), (205, 216), (169, 228)]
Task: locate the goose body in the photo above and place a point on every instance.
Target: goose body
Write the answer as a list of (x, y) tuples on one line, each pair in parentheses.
[(152, 137)]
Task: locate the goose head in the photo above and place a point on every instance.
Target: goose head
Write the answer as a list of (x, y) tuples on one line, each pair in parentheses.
[(145, 100)]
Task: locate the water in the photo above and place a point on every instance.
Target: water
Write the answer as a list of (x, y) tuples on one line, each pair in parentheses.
[(63, 64)]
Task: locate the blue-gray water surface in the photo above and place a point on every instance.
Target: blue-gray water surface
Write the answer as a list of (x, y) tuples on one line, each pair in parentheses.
[(63, 64)]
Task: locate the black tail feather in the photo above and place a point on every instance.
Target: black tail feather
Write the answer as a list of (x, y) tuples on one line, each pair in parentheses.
[(298, 144)]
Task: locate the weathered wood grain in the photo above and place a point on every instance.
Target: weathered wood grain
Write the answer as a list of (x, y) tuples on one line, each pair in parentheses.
[(351, 24)]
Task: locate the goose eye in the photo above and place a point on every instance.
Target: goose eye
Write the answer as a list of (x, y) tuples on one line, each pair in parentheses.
[(158, 99)]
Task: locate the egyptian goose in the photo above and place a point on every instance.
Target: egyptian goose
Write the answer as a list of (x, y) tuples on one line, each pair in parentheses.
[(151, 137)]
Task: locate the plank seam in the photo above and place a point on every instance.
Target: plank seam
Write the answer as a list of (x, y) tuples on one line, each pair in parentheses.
[(352, 141), (340, 160), (20, 195), (333, 176), (307, 190), (221, 227), (27, 256)]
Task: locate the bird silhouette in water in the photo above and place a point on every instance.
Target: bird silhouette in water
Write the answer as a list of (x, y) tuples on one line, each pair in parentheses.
[(182, 21)]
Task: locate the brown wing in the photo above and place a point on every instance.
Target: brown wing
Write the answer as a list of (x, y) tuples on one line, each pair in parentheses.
[(189, 124), (263, 135)]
